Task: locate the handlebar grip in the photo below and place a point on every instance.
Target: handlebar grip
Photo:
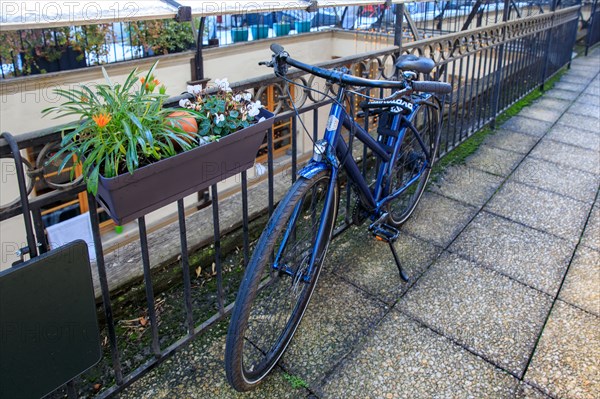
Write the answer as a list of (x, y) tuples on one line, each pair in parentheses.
[(432, 87), (277, 48)]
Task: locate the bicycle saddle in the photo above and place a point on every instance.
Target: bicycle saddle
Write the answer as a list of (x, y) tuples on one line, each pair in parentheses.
[(411, 62)]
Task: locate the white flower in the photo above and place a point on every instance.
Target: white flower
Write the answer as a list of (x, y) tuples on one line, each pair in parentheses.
[(185, 103), (247, 96), (219, 118), (259, 169), (238, 97), (223, 84), (195, 89), (254, 108)]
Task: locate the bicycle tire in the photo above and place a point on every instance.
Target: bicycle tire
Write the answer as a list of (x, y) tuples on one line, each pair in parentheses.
[(270, 303), (411, 160)]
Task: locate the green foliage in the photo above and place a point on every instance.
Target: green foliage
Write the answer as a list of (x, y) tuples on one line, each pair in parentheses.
[(295, 381), (120, 127), (163, 36), (221, 112)]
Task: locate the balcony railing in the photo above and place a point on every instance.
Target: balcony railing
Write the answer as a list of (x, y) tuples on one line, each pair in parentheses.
[(490, 68), (33, 51)]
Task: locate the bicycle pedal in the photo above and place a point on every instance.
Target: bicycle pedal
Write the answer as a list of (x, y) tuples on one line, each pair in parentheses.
[(385, 232)]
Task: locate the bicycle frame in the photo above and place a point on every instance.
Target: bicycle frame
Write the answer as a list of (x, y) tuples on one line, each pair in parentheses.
[(337, 154)]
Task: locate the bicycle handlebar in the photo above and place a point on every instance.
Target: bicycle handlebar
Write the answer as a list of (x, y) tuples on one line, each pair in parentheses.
[(279, 54)]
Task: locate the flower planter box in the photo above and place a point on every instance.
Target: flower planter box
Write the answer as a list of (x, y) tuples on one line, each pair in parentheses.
[(282, 28), (302, 26), (259, 31), (130, 196)]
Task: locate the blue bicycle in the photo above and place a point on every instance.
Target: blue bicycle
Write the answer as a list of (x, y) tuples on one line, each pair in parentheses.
[(284, 268)]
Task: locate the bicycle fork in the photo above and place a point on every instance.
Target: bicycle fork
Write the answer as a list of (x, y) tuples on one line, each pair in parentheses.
[(321, 239)]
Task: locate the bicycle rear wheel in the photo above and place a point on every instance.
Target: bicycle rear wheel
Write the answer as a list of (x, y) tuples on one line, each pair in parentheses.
[(278, 282), (411, 170)]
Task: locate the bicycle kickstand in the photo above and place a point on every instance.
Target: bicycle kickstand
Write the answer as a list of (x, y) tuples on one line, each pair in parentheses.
[(389, 234)]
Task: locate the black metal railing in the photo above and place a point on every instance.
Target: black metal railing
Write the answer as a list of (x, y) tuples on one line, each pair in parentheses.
[(593, 26), (205, 251)]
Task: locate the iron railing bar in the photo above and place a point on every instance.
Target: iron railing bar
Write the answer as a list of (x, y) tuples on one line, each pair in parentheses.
[(270, 169), (294, 147), (245, 224), (148, 283), (217, 235), (110, 323), (24, 196), (185, 268)]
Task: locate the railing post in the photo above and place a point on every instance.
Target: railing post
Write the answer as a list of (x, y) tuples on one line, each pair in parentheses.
[(399, 13), (499, 66), (548, 46), (31, 240), (592, 22)]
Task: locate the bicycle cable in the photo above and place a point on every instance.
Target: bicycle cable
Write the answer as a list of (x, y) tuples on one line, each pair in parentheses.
[(349, 150)]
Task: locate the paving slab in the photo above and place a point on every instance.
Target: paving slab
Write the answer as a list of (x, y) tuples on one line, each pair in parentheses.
[(540, 209), (338, 317), (369, 264), (512, 141), (403, 359), (438, 219), (587, 99), (529, 256), (525, 391), (490, 314), (494, 160), (577, 79), (467, 185), (567, 95), (570, 86), (198, 371), (557, 178), (566, 362), (582, 285), (590, 123), (541, 113), (533, 127), (592, 90), (554, 103), (587, 109), (573, 135), (591, 234), (568, 155)]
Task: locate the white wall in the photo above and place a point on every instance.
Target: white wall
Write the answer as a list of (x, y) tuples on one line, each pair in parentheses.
[(23, 99)]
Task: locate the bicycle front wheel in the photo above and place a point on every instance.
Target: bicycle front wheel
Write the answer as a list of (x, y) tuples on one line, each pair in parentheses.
[(412, 169), (280, 280)]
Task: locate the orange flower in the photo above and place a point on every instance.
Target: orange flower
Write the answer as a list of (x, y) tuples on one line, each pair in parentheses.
[(102, 119), (156, 82), (143, 80)]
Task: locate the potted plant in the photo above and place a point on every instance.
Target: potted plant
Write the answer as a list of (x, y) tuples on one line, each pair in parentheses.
[(239, 32), (258, 26), (94, 39), (72, 55), (259, 31), (302, 26), (282, 28), (10, 50), (136, 154)]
